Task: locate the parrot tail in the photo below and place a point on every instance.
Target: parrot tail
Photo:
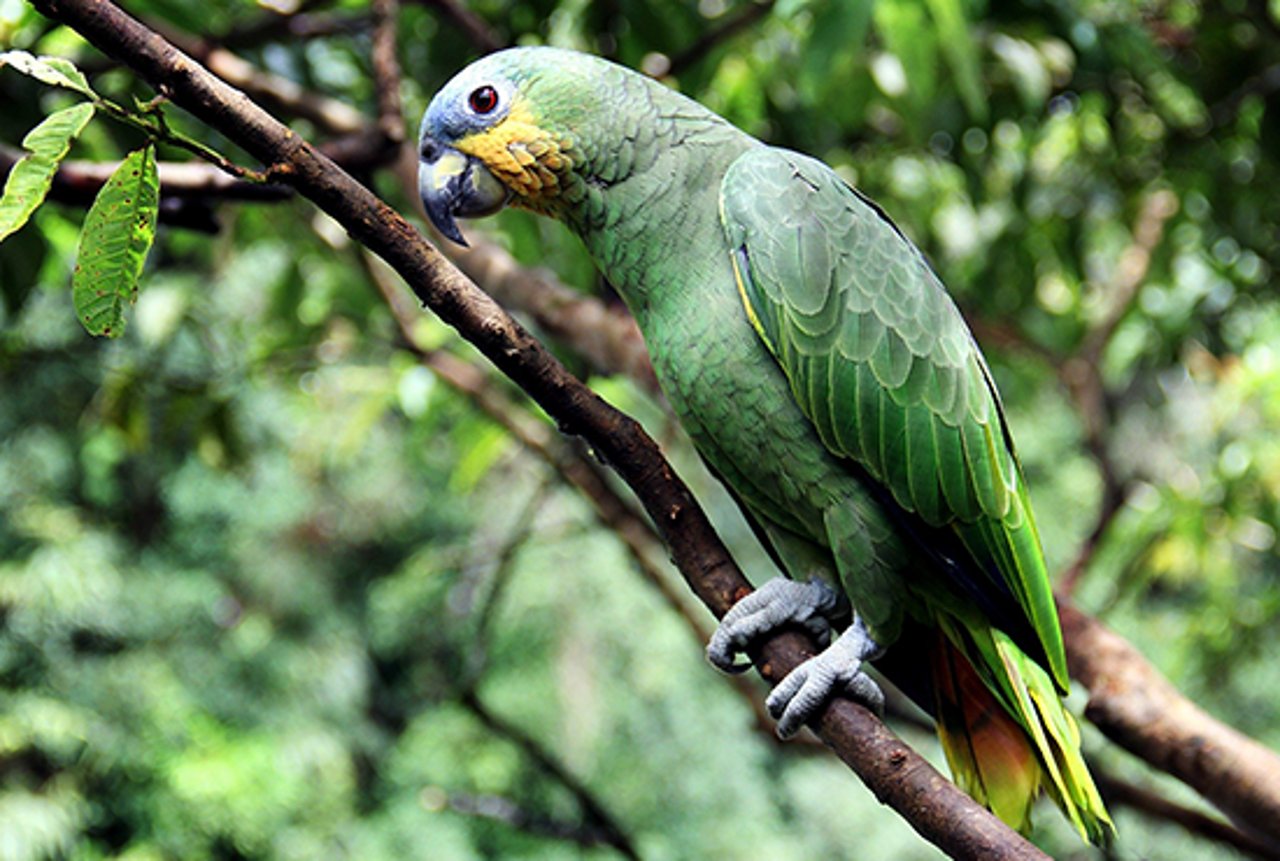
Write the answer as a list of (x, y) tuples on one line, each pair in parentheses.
[(990, 756), (1006, 734)]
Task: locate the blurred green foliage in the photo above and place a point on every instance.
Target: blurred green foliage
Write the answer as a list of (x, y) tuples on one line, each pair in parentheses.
[(269, 589)]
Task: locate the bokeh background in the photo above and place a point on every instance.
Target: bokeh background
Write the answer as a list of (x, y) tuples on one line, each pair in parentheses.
[(273, 586)]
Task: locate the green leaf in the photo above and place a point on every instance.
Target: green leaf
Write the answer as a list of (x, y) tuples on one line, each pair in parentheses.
[(839, 31), (47, 145), (961, 53), (908, 37), (118, 232), (54, 71)]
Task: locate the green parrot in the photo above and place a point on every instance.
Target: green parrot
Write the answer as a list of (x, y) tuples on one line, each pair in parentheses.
[(827, 378)]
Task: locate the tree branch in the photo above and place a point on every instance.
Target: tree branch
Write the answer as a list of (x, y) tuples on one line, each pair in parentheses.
[(299, 23), (601, 821), (478, 32), (77, 182), (896, 774), (749, 14), (1082, 373), (511, 814), (574, 467), (386, 70), (607, 338), (1137, 708), (1120, 792), (1131, 271), (504, 565)]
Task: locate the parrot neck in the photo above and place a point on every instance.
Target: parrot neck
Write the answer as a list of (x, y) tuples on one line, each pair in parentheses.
[(655, 235), (647, 202)]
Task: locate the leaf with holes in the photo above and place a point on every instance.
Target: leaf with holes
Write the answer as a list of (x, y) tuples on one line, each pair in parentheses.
[(54, 71), (118, 232), (47, 145)]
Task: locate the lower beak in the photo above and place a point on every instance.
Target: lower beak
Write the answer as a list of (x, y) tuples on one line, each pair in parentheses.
[(453, 184)]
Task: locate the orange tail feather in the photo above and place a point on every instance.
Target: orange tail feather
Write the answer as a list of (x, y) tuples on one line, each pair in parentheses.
[(990, 755)]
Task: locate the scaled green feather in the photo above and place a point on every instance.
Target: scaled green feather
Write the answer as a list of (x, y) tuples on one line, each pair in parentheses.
[(943, 456), (857, 426)]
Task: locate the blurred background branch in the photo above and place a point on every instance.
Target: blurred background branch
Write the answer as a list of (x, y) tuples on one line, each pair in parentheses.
[(482, 36), (1137, 708)]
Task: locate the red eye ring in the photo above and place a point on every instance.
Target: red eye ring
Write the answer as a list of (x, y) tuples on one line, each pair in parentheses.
[(483, 99)]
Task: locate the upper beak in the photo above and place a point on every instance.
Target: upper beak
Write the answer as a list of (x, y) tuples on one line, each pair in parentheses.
[(453, 184)]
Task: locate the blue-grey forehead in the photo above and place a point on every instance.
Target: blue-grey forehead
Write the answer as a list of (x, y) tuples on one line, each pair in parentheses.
[(448, 117)]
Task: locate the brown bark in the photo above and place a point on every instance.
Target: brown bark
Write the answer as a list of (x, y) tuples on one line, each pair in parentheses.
[(576, 468), (897, 775), (607, 338), (1121, 793), (386, 70), (1138, 709), (77, 182)]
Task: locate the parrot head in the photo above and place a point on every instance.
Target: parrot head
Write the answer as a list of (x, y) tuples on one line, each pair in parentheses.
[(508, 129)]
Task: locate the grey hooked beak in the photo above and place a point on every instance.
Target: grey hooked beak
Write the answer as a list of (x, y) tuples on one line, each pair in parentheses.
[(453, 184)]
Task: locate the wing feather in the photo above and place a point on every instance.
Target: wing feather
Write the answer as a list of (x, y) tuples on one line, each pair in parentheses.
[(881, 362)]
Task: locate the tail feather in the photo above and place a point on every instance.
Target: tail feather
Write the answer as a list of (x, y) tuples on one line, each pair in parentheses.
[(1006, 733), (989, 754)]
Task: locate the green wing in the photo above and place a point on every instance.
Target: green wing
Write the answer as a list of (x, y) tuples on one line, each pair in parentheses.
[(882, 363)]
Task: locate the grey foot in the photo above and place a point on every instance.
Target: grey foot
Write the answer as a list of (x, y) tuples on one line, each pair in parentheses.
[(837, 671), (777, 603)]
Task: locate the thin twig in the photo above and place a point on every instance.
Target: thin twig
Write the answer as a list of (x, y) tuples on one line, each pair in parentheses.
[(1122, 793), (1082, 373), (1137, 708), (611, 832), (300, 23), (502, 809), (478, 32), (386, 70), (504, 564), (1131, 270), (1114, 493), (743, 18), (76, 182)]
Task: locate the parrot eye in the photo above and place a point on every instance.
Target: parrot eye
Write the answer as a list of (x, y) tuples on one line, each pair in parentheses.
[(483, 100)]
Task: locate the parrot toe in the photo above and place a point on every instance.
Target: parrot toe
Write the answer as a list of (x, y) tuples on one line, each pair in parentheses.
[(836, 671), (781, 601)]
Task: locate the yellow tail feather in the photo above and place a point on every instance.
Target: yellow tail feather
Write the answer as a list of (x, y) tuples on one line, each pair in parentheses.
[(1006, 734), (988, 752)]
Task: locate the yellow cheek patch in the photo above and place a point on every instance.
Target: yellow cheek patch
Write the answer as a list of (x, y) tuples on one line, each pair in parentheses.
[(523, 155)]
